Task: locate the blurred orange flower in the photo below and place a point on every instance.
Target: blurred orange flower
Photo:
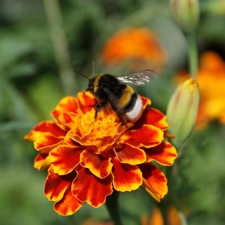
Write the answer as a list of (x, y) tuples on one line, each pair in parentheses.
[(88, 158), (156, 217), (211, 79), (94, 222), (138, 44)]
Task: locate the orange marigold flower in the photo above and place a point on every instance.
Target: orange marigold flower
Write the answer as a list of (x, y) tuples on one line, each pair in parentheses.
[(87, 158), (211, 79), (138, 44)]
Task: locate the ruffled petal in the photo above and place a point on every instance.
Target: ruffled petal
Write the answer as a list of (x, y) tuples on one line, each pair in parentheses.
[(46, 127), (164, 153), (56, 186), (91, 140), (68, 205), (126, 177), (67, 119), (65, 158), (46, 142), (145, 102), (86, 101), (69, 141), (130, 155), (67, 104), (87, 187), (154, 117), (41, 161), (154, 181), (147, 136), (98, 165)]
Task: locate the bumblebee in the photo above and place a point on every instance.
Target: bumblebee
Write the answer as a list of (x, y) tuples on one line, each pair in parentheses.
[(115, 90)]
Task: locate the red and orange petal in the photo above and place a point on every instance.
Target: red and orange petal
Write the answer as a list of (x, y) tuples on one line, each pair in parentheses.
[(134, 43), (46, 142), (68, 205), (66, 120), (147, 136), (164, 154), (126, 177), (65, 158), (154, 181), (47, 127), (128, 154), (46, 135), (58, 189), (88, 188), (99, 165), (86, 101), (41, 161), (145, 102), (154, 117), (67, 104), (56, 185)]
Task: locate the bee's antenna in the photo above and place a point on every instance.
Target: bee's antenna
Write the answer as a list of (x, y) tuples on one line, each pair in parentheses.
[(81, 74), (93, 68)]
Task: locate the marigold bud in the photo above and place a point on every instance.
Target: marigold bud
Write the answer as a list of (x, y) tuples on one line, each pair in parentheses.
[(182, 110), (186, 13)]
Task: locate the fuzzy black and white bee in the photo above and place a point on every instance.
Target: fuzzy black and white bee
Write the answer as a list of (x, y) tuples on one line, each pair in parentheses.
[(116, 91)]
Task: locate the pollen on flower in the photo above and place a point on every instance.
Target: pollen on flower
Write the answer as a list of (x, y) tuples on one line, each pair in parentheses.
[(87, 121), (88, 157)]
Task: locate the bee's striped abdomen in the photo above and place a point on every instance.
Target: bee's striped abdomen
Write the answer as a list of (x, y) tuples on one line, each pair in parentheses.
[(134, 108), (131, 103)]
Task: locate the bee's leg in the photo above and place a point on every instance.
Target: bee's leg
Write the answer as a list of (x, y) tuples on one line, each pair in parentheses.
[(122, 116), (99, 106)]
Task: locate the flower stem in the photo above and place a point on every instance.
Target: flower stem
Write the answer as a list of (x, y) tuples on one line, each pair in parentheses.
[(173, 197), (113, 208), (193, 53)]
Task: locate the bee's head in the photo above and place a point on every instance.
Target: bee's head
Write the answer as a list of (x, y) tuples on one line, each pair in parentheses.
[(91, 86)]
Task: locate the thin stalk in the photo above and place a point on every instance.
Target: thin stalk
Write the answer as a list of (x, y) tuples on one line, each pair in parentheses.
[(173, 196), (193, 53), (113, 208), (60, 45)]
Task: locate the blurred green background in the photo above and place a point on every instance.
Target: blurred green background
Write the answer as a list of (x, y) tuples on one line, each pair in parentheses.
[(34, 76)]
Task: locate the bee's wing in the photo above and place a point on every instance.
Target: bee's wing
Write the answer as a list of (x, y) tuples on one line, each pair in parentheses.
[(138, 78)]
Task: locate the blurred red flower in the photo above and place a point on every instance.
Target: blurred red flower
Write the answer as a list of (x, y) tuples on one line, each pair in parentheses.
[(87, 158)]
